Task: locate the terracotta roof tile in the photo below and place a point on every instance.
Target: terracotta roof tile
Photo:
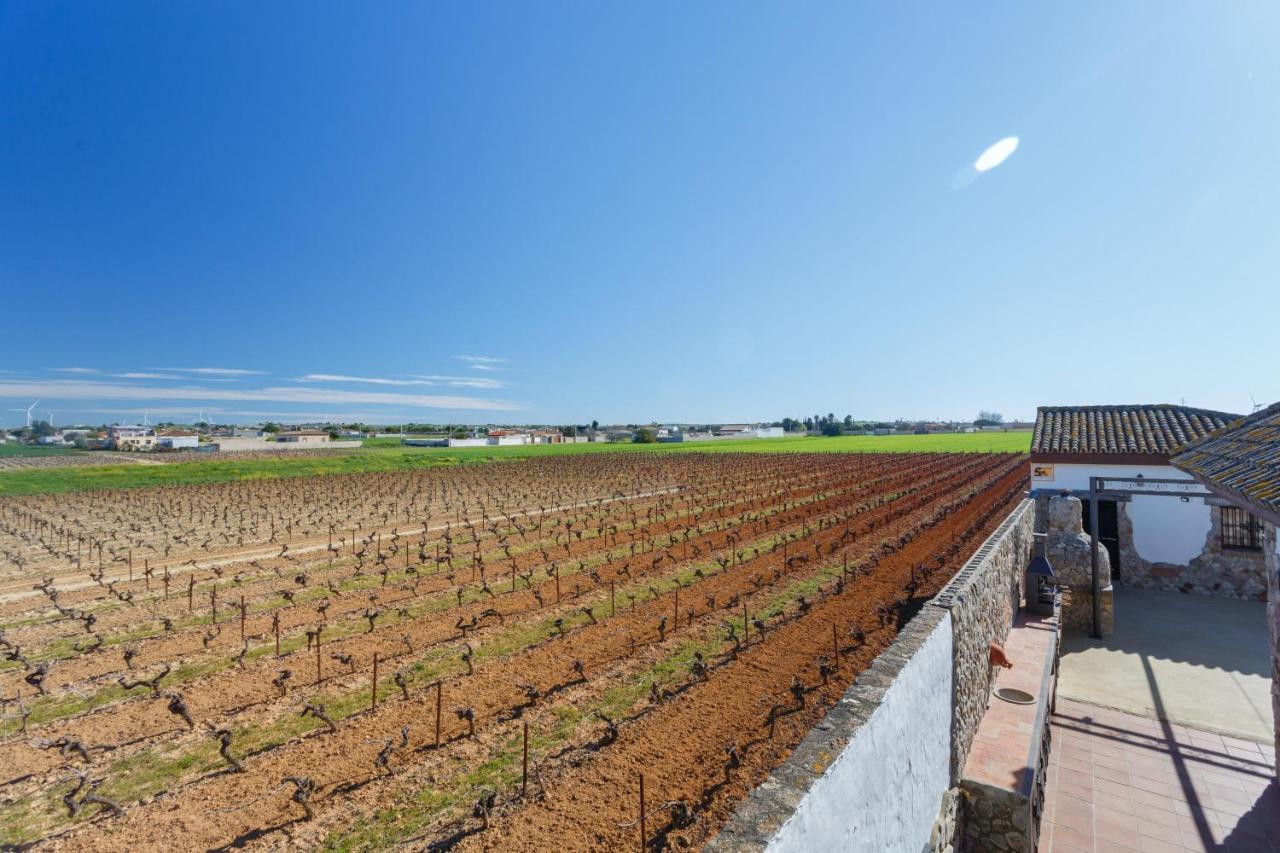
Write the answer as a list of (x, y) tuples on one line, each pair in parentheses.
[(1243, 458), (1155, 430)]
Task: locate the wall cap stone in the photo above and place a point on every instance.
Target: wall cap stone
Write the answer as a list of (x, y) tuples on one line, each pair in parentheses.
[(956, 587)]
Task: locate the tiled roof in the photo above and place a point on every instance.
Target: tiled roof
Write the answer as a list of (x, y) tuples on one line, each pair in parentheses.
[(1243, 458), (1158, 430)]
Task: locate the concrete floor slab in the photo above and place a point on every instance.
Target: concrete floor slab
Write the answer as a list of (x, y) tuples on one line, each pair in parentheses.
[(1189, 659)]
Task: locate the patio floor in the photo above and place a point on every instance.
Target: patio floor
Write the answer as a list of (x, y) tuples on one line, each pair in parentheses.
[(1123, 782), (1204, 662)]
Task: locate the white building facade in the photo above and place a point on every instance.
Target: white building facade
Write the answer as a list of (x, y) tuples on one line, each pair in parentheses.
[(1189, 544)]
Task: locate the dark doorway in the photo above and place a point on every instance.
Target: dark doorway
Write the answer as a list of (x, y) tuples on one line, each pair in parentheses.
[(1109, 531)]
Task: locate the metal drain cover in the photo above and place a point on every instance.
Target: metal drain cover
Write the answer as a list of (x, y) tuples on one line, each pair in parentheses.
[(1014, 695)]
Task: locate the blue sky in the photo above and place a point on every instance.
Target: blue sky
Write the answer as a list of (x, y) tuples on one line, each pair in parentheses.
[(696, 212)]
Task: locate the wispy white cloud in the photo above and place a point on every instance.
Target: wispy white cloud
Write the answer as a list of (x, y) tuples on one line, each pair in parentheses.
[(368, 380), (481, 359), (162, 411), (137, 375), (213, 371), (483, 367), (466, 381), (82, 370), (417, 379), (92, 390)]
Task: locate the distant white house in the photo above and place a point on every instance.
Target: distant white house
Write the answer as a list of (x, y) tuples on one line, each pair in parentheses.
[(131, 438), (744, 431), (177, 439), (469, 442), (303, 436)]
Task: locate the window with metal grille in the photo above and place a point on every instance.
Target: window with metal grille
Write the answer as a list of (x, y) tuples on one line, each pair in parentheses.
[(1240, 530)]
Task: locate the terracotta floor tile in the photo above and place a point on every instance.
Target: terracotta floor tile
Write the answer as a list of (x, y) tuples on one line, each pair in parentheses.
[(1066, 804), (1107, 845), (1065, 835), (1135, 783), (1108, 810), (1114, 834)]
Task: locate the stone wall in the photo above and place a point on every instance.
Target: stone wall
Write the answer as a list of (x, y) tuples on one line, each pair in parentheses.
[(1214, 571), (983, 598)]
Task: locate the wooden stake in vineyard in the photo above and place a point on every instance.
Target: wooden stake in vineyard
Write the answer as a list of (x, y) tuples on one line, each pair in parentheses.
[(242, 612), (318, 655), (373, 704), (643, 834), (439, 699), (524, 766)]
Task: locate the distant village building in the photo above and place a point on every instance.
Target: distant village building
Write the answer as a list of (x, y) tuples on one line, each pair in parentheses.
[(1192, 544), (303, 436), (131, 438), (745, 431), (177, 439)]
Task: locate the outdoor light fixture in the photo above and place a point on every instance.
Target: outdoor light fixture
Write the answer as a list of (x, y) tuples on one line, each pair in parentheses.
[(1041, 586)]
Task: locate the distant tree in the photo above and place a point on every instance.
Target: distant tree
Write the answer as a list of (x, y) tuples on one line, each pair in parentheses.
[(42, 428), (595, 425), (831, 428), (645, 435), (988, 419), (334, 435), (848, 421), (270, 428)]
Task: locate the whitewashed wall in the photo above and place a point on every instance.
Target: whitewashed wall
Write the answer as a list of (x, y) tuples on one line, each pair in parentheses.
[(1165, 530), (882, 792)]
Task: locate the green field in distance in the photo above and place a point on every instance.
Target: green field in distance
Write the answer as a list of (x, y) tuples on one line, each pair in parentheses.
[(221, 468)]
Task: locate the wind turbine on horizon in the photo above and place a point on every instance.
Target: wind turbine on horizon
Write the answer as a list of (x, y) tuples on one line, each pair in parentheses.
[(28, 410)]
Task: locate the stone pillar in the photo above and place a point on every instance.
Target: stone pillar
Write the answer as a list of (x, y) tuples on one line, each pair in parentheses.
[(1068, 549)]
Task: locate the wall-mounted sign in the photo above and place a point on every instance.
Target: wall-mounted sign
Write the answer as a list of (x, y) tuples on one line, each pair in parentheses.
[(1137, 485), (1040, 471)]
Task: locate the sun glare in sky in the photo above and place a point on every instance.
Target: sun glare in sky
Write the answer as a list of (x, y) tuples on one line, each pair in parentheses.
[(996, 154)]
